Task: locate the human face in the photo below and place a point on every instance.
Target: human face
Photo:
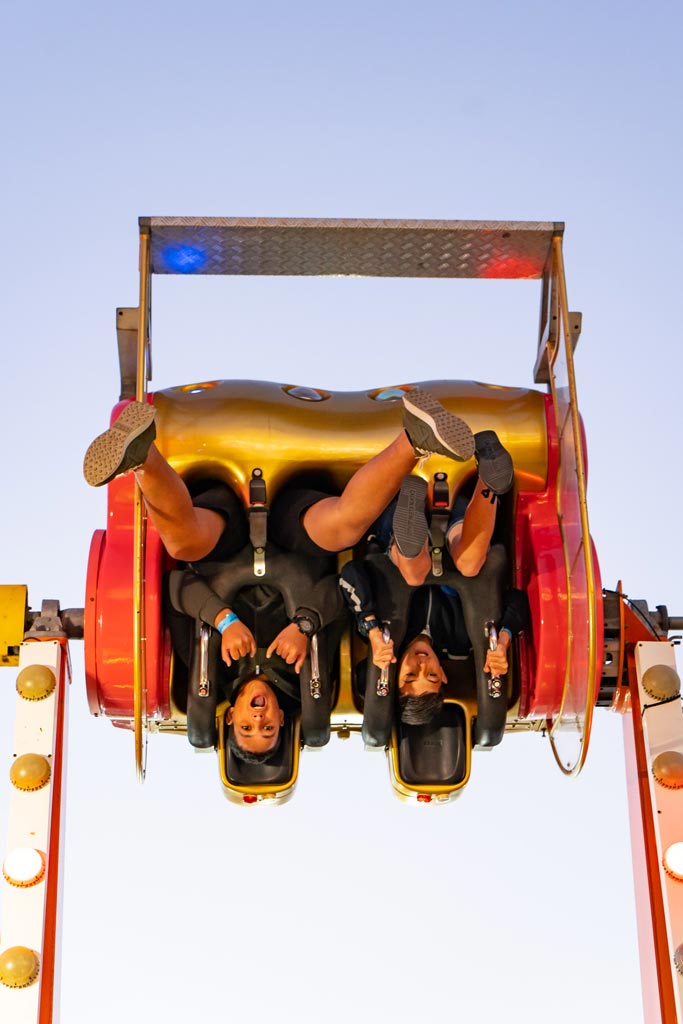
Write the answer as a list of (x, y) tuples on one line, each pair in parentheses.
[(256, 716), (419, 671)]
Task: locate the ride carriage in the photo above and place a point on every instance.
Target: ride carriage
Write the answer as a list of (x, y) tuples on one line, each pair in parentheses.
[(259, 437)]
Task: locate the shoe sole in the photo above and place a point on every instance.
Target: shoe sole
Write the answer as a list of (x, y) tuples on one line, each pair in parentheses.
[(106, 453), (451, 432), (498, 471), (410, 521)]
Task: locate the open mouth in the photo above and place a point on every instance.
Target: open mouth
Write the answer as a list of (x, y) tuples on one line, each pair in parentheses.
[(258, 702)]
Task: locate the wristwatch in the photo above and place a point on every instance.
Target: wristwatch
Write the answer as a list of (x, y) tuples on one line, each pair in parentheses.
[(365, 625), (306, 625)]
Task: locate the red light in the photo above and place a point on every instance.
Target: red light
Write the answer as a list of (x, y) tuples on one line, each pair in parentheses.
[(424, 798), (512, 267), (249, 798)]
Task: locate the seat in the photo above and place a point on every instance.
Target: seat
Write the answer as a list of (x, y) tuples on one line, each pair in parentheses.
[(271, 780), (436, 753)]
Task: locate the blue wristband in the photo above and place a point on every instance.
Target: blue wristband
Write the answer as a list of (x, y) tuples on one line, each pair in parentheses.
[(227, 621)]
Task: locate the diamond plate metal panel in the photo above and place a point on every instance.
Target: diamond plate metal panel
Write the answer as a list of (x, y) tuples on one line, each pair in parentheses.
[(359, 248)]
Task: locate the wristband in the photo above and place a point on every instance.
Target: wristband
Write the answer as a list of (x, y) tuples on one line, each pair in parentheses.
[(227, 621)]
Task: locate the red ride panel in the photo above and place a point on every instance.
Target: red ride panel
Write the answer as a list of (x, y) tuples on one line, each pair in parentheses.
[(108, 628), (540, 570)]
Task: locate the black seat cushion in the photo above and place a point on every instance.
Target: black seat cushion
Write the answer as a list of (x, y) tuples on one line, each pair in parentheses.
[(434, 754)]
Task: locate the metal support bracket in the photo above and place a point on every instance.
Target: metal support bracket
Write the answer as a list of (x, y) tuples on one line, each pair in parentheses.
[(48, 623), (204, 684), (316, 685), (437, 562), (495, 682), (383, 681), (439, 521), (258, 520), (127, 337)]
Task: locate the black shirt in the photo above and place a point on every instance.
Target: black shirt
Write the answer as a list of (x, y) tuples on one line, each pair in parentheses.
[(434, 610)]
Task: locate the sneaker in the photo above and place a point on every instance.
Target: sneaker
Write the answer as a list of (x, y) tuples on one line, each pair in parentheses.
[(493, 462), (432, 430), (121, 448), (410, 520)]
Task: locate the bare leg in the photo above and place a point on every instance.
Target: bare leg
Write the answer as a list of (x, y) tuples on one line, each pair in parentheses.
[(186, 532), (468, 541), (340, 522), (413, 570)]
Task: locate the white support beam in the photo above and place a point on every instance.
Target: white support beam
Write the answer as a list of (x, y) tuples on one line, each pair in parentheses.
[(654, 750), (31, 922)]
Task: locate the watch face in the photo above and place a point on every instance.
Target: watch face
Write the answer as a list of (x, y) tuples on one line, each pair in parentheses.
[(305, 626)]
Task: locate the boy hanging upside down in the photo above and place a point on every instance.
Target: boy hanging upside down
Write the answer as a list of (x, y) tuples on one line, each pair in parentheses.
[(435, 628)]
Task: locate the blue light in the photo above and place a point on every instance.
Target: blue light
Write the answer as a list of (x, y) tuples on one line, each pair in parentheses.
[(183, 259), (388, 394)]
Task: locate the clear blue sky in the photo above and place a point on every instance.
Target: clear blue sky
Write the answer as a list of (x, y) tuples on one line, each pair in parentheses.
[(515, 903)]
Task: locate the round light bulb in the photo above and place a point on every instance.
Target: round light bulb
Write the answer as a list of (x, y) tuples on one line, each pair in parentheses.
[(667, 769), (36, 682), (678, 959), (19, 967), (661, 682), (673, 861), (30, 772), (24, 866)]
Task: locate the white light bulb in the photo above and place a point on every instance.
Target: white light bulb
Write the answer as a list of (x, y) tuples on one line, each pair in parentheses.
[(673, 860), (23, 866)]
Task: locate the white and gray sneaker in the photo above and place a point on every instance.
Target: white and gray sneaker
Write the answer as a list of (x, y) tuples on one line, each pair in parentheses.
[(433, 430), (124, 446)]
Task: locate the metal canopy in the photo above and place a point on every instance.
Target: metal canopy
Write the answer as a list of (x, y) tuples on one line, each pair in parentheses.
[(361, 248)]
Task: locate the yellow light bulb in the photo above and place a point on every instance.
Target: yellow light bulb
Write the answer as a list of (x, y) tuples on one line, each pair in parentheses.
[(19, 967), (30, 772), (36, 682)]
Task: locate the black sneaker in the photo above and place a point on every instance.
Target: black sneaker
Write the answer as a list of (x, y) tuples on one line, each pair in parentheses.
[(410, 519), (431, 429), (493, 462), (121, 448)]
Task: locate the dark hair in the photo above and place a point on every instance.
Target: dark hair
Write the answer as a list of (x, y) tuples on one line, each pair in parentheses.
[(246, 755), (420, 710)]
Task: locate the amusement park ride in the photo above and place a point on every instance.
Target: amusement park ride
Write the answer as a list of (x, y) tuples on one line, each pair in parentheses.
[(584, 648)]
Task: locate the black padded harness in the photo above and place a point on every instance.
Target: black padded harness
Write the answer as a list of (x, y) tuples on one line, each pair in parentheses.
[(303, 592)]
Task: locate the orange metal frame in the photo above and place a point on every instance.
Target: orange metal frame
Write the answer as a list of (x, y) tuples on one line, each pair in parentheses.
[(50, 965), (34, 917), (659, 1001)]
